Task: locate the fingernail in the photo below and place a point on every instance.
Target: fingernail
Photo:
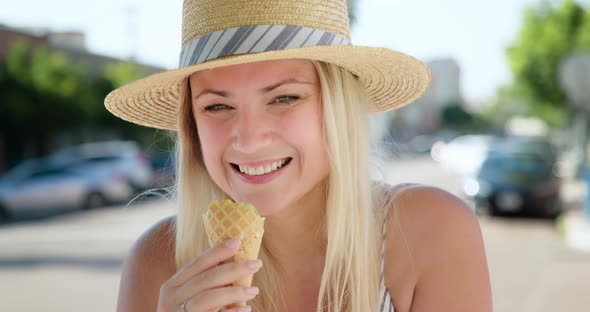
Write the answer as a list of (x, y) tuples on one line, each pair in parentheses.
[(252, 290), (245, 309), (254, 264), (232, 243)]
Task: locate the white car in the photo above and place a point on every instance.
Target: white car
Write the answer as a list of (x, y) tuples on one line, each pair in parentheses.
[(465, 154), (123, 157), (45, 185)]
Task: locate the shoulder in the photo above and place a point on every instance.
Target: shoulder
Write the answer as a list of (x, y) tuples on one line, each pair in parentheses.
[(429, 208), (149, 263), (437, 239)]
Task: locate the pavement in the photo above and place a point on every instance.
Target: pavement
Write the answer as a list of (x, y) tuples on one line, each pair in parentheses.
[(574, 223), (71, 261)]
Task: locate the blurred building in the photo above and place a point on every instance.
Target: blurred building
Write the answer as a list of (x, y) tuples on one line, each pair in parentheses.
[(72, 43), (424, 115)]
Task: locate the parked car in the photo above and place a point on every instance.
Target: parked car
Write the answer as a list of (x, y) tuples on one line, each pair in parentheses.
[(423, 144), (518, 176), (121, 157), (44, 184), (464, 155), (163, 169)]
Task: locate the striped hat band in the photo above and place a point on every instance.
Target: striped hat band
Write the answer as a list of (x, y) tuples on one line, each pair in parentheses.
[(259, 38)]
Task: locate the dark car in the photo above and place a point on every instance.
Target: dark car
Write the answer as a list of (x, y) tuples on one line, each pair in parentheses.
[(517, 176)]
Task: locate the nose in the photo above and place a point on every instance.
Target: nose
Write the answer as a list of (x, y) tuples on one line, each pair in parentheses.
[(252, 133)]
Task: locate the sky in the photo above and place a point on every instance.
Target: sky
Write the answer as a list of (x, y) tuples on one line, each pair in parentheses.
[(475, 33)]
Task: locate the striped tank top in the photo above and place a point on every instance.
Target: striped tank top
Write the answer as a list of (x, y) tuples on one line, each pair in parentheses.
[(385, 304)]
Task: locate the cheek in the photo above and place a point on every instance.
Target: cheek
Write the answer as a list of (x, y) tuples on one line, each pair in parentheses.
[(212, 137), (304, 131)]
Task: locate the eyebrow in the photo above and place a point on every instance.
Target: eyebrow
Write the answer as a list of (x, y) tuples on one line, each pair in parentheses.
[(262, 90)]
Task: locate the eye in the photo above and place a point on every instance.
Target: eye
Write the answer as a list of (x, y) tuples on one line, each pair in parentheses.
[(286, 99), (216, 108)]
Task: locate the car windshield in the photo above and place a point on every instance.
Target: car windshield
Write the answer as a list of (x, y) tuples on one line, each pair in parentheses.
[(519, 163), (101, 159), (49, 172), (19, 171)]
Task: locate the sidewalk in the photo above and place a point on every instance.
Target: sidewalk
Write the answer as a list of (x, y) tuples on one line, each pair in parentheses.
[(575, 228), (572, 224)]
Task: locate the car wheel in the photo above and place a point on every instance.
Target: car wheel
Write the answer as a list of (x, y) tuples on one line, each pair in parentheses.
[(495, 211), (94, 200), (4, 213), (554, 209)]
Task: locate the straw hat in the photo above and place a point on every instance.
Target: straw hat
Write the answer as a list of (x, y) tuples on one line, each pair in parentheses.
[(218, 33)]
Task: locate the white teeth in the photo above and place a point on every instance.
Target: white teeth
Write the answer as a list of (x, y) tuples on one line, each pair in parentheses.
[(262, 170)]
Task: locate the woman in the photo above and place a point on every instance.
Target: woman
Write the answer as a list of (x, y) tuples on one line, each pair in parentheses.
[(270, 104)]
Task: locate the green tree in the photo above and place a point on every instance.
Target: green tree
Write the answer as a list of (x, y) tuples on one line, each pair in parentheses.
[(114, 76), (583, 40), (45, 96), (455, 117), (550, 31), (39, 94)]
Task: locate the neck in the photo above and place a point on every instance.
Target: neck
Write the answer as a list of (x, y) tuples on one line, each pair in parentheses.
[(294, 237)]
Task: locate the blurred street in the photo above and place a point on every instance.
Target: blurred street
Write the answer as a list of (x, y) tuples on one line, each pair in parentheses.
[(71, 261)]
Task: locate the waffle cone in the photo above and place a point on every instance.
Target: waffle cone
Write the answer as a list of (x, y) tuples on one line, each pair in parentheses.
[(229, 220)]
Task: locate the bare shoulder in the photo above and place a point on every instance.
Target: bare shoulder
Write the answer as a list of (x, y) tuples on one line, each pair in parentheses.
[(436, 251), (429, 211), (149, 263)]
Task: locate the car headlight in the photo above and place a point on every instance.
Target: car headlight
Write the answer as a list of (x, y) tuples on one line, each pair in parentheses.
[(473, 187)]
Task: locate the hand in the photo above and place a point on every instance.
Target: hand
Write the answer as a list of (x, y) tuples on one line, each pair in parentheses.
[(204, 284)]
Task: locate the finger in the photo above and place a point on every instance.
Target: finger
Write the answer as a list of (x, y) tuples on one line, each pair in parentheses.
[(210, 258), (218, 276), (217, 298)]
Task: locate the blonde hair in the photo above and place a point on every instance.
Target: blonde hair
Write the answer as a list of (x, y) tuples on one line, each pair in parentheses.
[(352, 224)]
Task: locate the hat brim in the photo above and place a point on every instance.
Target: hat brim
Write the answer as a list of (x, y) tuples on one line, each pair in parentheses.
[(391, 79)]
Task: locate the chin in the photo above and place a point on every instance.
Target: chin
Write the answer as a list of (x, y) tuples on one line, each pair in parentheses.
[(266, 205)]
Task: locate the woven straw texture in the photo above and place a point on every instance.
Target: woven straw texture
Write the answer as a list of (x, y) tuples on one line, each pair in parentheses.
[(228, 220), (391, 79), (202, 17)]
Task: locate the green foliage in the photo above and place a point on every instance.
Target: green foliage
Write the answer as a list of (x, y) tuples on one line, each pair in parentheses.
[(39, 92), (121, 73), (548, 34), (455, 117), (583, 39), (44, 95)]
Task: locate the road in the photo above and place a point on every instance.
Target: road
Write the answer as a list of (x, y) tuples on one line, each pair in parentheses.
[(71, 261)]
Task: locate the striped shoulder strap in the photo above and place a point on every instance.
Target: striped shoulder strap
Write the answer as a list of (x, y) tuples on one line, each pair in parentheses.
[(389, 192)]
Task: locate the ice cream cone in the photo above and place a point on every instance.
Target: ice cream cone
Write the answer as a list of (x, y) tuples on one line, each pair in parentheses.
[(228, 220)]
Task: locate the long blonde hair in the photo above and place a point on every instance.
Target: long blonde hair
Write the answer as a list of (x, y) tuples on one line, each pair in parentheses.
[(352, 224)]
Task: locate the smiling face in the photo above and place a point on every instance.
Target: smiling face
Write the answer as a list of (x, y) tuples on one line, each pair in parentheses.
[(260, 128)]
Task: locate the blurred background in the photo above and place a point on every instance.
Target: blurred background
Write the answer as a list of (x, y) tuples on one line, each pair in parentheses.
[(504, 126)]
